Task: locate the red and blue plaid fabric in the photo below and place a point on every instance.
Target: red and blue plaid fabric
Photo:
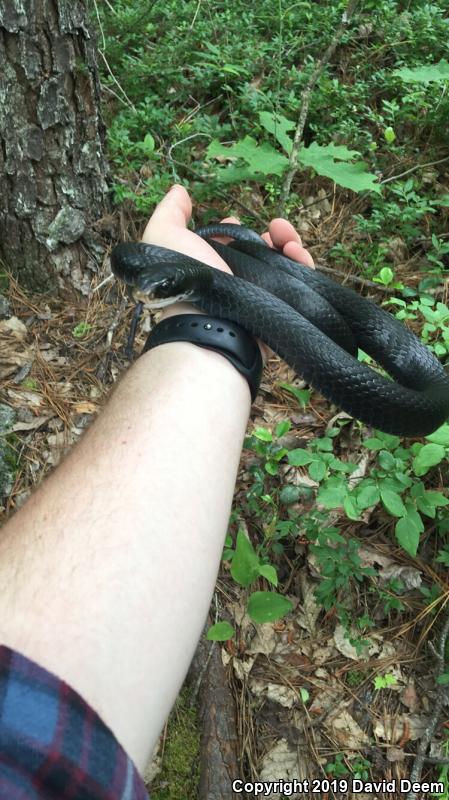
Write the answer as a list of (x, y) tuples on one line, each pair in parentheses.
[(53, 745)]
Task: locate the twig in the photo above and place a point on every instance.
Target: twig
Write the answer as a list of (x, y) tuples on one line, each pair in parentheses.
[(413, 169), (441, 698), (224, 196), (355, 279), (304, 101)]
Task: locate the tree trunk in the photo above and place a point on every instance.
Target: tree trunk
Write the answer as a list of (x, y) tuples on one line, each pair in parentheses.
[(52, 169)]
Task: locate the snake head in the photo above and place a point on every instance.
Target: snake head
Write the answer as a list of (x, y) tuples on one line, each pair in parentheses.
[(153, 277)]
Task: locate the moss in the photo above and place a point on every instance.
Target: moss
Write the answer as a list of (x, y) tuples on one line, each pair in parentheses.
[(179, 777)]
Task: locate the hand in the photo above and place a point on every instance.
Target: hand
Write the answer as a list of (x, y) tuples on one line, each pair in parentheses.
[(167, 227)]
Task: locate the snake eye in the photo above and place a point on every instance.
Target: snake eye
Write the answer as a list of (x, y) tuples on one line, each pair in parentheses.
[(166, 286)]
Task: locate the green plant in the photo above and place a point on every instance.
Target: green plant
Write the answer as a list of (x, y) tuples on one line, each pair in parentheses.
[(337, 767), (81, 330), (384, 681)]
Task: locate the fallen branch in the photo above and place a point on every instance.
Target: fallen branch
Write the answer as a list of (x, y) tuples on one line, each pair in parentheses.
[(441, 698)]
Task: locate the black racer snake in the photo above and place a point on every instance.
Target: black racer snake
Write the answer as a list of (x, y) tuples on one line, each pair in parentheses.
[(314, 324)]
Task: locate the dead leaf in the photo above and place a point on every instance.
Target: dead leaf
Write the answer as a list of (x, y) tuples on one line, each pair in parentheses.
[(310, 610), (409, 698), (410, 576), (280, 694), (391, 727), (36, 423), (346, 731), (279, 762), (345, 647), (395, 754), (85, 407), (13, 326)]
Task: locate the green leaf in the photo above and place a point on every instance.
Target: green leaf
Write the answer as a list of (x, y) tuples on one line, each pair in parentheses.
[(407, 535), (392, 502), (268, 606), (282, 427), (384, 681), (278, 126), (317, 470), (367, 496), (443, 679), (373, 444), (289, 494), (386, 460), (245, 563), (426, 507), (424, 74), (220, 632), (443, 557), (148, 145), (437, 498), (261, 159), (263, 434), (332, 497), (386, 275), (351, 510), (305, 696), (302, 395), (440, 436), (300, 457), (389, 135), (268, 571), (428, 456), (322, 159)]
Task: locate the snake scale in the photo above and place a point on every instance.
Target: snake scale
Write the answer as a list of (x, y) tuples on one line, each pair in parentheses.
[(313, 323)]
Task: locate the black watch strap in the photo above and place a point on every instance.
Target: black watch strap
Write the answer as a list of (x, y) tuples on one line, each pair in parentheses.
[(227, 338)]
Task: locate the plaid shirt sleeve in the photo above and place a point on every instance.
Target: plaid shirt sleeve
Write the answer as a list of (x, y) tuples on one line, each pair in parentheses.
[(53, 744)]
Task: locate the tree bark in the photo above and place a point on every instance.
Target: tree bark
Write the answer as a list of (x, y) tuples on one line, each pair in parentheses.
[(52, 168), (217, 714)]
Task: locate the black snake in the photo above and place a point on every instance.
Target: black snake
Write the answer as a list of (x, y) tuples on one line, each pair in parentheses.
[(314, 324)]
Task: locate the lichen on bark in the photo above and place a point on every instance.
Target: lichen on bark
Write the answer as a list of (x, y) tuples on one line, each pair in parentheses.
[(52, 168)]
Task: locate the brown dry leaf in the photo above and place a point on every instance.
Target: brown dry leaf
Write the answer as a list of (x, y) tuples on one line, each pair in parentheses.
[(319, 654), (345, 730), (410, 576), (36, 423), (242, 667), (395, 754), (369, 556), (279, 693), (264, 641), (409, 698), (309, 610), (392, 727), (13, 327), (24, 398), (279, 762), (85, 407), (345, 647), (13, 351)]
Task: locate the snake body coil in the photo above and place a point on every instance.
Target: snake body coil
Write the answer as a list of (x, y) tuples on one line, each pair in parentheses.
[(313, 323)]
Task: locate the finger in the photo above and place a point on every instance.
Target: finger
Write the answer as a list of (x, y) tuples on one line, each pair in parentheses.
[(227, 239), (267, 238), (174, 210), (297, 252), (282, 231)]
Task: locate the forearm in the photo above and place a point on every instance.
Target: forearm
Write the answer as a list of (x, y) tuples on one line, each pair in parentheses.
[(108, 570)]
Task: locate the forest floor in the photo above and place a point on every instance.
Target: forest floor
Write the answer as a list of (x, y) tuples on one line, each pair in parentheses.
[(308, 703)]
